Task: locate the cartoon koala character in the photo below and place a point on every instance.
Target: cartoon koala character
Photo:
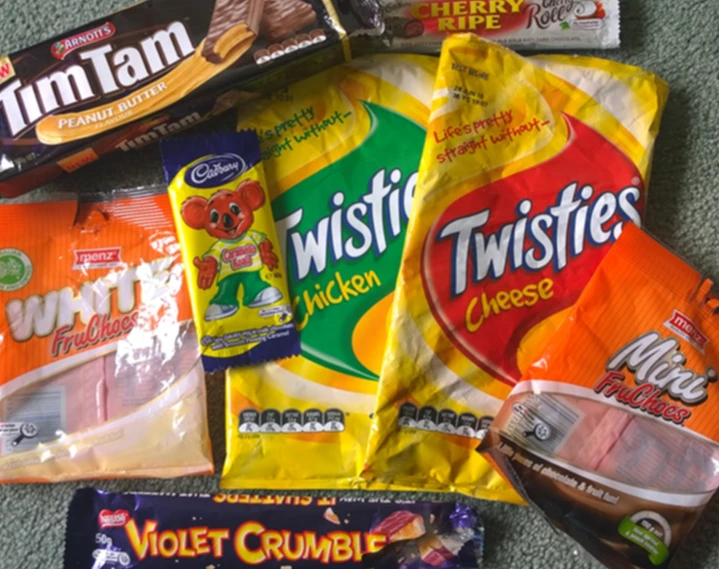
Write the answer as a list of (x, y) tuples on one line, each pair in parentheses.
[(238, 255)]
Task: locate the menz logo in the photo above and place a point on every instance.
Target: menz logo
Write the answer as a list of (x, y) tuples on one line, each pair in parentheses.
[(684, 327), (106, 258)]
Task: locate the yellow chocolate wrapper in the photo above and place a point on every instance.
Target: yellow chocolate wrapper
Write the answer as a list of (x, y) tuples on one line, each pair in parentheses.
[(341, 152), (234, 270), (530, 170)]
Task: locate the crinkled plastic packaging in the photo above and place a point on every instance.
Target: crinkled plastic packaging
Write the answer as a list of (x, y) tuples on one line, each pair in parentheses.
[(227, 235), (341, 152), (530, 171), (422, 25), (100, 373), (612, 431), (163, 531)]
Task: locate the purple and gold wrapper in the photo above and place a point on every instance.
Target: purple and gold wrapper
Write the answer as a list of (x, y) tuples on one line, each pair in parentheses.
[(157, 531)]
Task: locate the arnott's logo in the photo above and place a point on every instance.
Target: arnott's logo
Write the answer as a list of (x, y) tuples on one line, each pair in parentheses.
[(215, 171), (63, 48)]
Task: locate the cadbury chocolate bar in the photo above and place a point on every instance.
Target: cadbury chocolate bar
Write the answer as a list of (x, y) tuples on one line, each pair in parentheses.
[(153, 69), (236, 279), (157, 531)]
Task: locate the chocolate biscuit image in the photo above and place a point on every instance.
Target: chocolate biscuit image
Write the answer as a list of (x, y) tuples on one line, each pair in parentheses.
[(404, 27), (393, 556), (275, 50), (231, 22), (303, 40), (367, 12), (283, 18), (317, 36), (290, 45), (262, 56)]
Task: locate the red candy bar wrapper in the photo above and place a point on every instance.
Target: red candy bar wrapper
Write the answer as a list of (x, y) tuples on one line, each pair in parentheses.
[(157, 531), (422, 25), (613, 431)]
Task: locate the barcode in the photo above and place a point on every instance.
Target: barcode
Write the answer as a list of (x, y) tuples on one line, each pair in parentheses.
[(43, 407), (542, 423)]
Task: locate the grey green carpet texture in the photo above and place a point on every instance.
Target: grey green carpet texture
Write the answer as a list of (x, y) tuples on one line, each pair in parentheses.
[(677, 39)]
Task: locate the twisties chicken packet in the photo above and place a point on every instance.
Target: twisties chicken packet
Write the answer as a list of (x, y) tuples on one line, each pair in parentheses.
[(341, 152), (530, 171), (100, 373), (612, 431)]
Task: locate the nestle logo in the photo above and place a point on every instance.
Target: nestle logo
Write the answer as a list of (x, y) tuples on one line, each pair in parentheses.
[(215, 171), (63, 48), (110, 519), (683, 326), (97, 258)]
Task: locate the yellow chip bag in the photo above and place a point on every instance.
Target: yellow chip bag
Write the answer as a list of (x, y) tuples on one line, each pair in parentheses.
[(530, 170), (341, 152)]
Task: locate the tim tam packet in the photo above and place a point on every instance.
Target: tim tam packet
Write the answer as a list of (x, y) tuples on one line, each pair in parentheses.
[(163, 531), (613, 431), (151, 70), (341, 165), (530, 171), (235, 276), (422, 25)]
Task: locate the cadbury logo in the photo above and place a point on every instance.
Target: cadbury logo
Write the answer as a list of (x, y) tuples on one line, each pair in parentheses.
[(683, 327), (110, 519), (215, 171), (63, 48), (97, 258)]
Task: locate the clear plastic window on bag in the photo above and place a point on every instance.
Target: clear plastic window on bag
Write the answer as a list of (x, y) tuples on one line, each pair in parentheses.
[(615, 443), (100, 372)]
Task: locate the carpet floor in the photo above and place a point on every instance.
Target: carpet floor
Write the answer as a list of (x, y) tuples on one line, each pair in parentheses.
[(675, 39)]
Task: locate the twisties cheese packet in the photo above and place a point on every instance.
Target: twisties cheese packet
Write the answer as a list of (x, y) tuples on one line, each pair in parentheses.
[(237, 283), (530, 170), (341, 152)]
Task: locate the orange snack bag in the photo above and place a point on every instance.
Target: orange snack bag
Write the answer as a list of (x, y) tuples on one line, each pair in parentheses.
[(613, 432), (100, 373)]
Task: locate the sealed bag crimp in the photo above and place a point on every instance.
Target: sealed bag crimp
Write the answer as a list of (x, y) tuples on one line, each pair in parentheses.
[(235, 276)]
